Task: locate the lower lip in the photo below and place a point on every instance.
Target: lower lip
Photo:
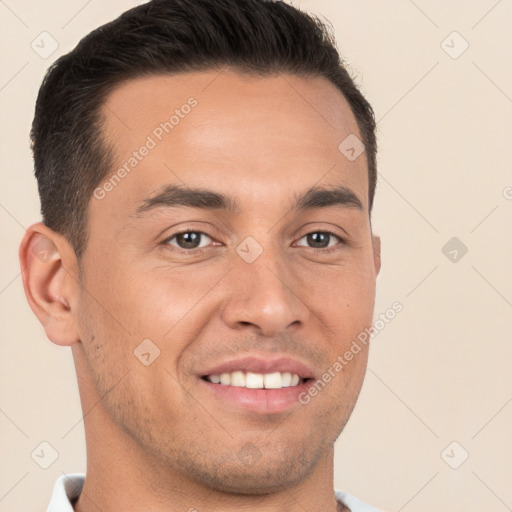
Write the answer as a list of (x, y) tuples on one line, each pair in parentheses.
[(265, 401)]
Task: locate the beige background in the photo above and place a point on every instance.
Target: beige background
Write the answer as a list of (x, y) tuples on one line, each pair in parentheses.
[(440, 371)]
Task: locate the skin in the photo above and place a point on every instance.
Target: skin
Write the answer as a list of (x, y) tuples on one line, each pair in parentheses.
[(156, 440)]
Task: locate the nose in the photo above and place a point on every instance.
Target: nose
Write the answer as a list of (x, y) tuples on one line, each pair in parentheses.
[(264, 296)]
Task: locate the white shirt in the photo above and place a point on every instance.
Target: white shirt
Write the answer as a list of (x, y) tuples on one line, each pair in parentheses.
[(68, 487)]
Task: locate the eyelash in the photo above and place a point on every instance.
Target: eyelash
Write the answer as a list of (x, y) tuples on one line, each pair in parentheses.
[(201, 249)]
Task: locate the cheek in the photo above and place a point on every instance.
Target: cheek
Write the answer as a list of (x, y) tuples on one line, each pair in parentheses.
[(162, 300), (342, 296), (166, 305)]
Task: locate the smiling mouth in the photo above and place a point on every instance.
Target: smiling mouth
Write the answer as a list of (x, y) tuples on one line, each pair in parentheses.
[(250, 380)]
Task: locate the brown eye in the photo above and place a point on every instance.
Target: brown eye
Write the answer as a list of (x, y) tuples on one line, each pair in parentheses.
[(188, 239), (321, 239)]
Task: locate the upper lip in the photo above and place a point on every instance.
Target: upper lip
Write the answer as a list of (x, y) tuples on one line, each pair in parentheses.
[(261, 364)]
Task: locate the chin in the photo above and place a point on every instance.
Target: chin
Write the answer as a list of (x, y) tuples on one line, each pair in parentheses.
[(251, 470), (264, 477)]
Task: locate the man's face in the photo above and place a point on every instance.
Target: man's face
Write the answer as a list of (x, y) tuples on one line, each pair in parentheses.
[(264, 290)]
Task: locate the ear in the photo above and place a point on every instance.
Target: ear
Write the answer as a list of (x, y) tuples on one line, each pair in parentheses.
[(49, 271), (376, 253)]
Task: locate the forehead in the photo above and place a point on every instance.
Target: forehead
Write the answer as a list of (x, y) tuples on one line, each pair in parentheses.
[(252, 137)]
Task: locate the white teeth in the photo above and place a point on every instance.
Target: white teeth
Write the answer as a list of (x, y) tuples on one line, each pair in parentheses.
[(238, 379), (225, 378), (254, 380), (275, 380), (286, 379)]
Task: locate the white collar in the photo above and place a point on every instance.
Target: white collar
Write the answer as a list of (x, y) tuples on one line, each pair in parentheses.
[(68, 487)]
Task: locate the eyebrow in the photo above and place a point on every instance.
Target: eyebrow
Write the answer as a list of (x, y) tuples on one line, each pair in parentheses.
[(313, 198)]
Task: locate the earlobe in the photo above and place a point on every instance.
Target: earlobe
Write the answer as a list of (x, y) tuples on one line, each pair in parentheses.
[(376, 253), (48, 263)]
